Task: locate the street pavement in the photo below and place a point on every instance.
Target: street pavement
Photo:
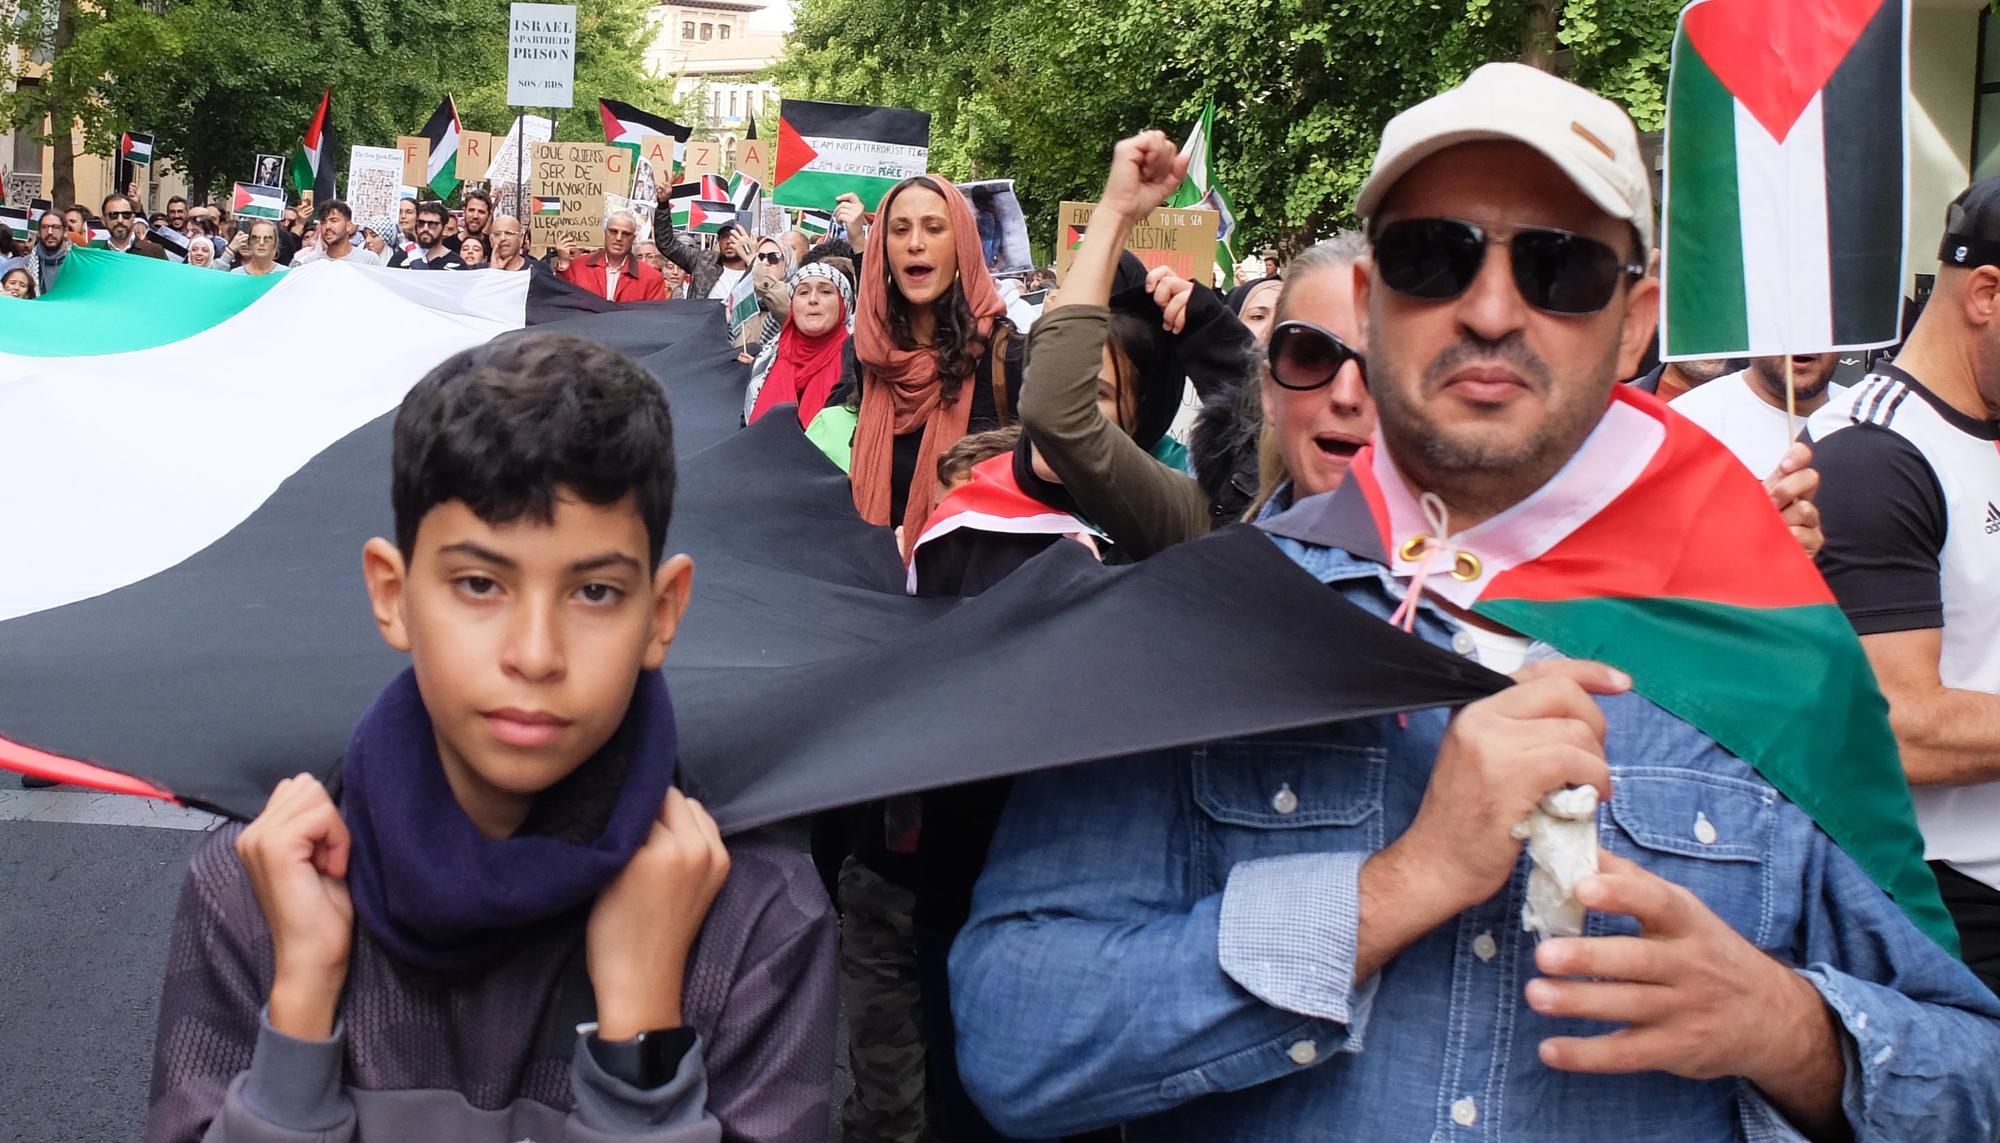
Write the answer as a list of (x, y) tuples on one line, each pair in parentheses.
[(85, 911)]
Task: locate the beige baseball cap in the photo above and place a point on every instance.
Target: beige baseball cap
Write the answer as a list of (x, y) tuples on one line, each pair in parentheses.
[(1587, 135)]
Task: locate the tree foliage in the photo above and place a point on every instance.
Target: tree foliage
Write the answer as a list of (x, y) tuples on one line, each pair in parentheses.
[(219, 81), (1039, 90)]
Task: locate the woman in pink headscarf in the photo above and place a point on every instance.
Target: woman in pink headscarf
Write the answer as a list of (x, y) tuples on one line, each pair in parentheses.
[(938, 357)]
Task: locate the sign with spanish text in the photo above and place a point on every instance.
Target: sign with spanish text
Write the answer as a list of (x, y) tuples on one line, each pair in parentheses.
[(1179, 238), (541, 55), (571, 183)]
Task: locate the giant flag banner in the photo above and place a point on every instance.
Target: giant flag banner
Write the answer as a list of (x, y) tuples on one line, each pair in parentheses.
[(1785, 178), (826, 150)]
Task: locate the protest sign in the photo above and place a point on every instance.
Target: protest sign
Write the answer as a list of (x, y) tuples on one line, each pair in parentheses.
[(510, 161), (753, 158), (269, 171), (826, 150), (642, 209), (576, 178), (416, 159), (22, 188), (1003, 228), (541, 55), (475, 148), (374, 184), (1179, 238), (704, 157)]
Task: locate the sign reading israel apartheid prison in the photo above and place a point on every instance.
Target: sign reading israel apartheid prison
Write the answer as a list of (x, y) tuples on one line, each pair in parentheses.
[(1179, 238), (570, 184), (541, 55)]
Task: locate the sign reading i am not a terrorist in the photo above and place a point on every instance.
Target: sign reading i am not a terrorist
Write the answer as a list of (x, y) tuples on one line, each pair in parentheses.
[(541, 55), (826, 150), (1180, 238)]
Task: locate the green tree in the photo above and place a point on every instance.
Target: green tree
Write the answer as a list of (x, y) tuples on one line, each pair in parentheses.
[(1039, 90), (219, 81)]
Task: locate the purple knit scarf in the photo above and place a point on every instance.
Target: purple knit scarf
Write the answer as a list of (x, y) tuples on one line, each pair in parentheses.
[(439, 896)]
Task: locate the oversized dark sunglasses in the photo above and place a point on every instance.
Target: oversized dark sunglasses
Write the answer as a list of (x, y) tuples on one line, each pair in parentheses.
[(770, 259), (1557, 272), (1305, 356)]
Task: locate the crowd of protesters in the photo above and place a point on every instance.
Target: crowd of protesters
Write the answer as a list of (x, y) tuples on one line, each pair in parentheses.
[(1276, 938)]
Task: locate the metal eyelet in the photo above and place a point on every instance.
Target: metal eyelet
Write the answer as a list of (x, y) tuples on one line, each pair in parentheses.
[(1465, 567), (1413, 548)]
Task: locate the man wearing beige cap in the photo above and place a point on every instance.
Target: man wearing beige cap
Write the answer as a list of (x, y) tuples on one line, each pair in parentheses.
[(1323, 934)]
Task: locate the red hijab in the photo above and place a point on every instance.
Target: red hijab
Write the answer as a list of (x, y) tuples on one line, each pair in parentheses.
[(900, 389), (805, 371)]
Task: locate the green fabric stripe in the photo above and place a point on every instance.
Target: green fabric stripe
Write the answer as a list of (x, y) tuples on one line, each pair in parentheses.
[(813, 189), (90, 310), (1787, 690), (1706, 311)]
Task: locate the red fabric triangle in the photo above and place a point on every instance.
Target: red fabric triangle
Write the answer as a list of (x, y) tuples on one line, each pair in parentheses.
[(793, 152), (241, 200), (1775, 55)]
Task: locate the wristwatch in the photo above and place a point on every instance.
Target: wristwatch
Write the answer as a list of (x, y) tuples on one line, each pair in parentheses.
[(647, 1060)]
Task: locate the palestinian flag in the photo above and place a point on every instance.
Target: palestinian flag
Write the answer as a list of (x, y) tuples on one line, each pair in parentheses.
[(1199, 189), (742, 305), (826, 150), (136, 148), (744, 191), (172, 241), (545, 205), (815, 223), (992, 501), (693, 214), (19, 222), (100, 238), (253, 201), (1785, 184), (1073, 237), (714, 188), (313, 160), (1655, 551), (625, 125), (207, 633), (442, 131)]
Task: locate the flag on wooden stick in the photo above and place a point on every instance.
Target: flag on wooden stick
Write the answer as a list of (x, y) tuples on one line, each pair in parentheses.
[(1786, 191), (136, 148)]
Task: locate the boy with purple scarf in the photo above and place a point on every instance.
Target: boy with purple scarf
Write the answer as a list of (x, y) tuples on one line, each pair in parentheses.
[(503, 922)]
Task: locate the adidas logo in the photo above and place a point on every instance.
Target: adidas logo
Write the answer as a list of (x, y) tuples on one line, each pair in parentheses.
[(1992, 517)]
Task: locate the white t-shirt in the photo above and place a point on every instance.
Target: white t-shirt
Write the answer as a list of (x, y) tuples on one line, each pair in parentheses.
[(725, 282), (1752, 428), (1497, 651), (356, 254)]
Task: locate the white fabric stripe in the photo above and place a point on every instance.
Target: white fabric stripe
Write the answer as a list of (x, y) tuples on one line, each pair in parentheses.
[(1046, 524), (1612, 457), (1787, 278), (207, 427)]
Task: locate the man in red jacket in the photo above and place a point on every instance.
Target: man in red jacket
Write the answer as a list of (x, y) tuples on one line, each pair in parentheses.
[(613, 271)]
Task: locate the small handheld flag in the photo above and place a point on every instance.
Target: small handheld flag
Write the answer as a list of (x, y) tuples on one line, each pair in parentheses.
[(100, 238), (1074, 238), (815, 223), (742, 303), (18, 222), (136, 148), (253, 201)]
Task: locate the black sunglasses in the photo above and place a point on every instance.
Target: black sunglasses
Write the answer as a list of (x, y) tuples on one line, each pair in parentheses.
[(117, 214), (770, 259), (1303, 356), (1557, 272)]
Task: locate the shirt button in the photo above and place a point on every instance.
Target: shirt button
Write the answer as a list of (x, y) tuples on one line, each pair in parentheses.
[(1303, 1052), (1284, 801), (1485, 947), (1462, 643), (1704, 830), (1464, 1112)]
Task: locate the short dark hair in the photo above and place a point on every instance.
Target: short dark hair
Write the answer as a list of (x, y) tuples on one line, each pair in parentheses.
[(505, 425), (335, 206), (482, 196), (434, 209), (177, 199), (114, 196), (680, 256)]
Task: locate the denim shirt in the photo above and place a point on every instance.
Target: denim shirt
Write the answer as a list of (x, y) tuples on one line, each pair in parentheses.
[(1168, 940)]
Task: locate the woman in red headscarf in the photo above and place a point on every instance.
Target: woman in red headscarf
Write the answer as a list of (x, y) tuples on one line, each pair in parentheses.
[(803, 364), (938, 357)]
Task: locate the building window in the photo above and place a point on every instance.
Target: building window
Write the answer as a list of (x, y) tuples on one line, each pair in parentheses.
[(708, 31), (1986, 100), (722, 31), (733, 112), (687, 29), (27, 152)]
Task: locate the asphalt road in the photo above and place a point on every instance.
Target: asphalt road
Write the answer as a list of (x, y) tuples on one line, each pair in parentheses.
[(85, 910)]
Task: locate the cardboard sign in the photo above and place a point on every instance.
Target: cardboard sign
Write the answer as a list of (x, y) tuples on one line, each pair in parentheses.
[(269, 171), (541, 55), (475, 150), (659, 153), (571, 183), (753, 157), (374, 187), (510, 162), (416, 159), (704, 157), (1182, 239)]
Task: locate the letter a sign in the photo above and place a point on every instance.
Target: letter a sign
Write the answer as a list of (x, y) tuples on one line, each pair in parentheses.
[(541, 55)]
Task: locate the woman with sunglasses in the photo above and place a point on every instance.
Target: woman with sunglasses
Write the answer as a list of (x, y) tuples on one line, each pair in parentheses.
[(770, 269)]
